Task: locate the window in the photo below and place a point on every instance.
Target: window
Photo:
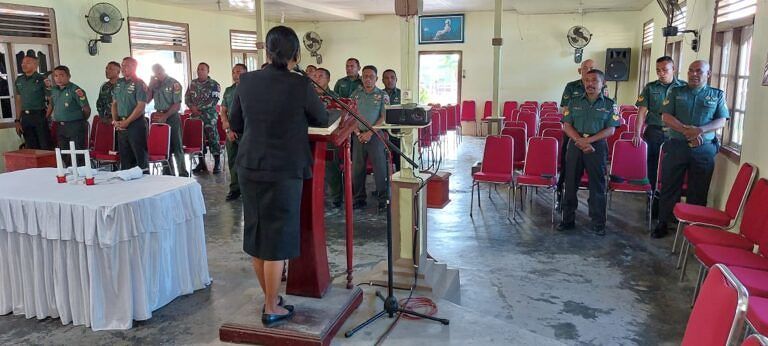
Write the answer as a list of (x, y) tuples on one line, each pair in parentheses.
[(732, 45), (674, 45), (160, 42), (440, 77), (675, 50), (24, 30), (244, 50), (645, 55)]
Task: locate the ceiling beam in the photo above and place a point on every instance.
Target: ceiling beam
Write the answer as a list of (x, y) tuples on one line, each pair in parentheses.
[(312, 6)]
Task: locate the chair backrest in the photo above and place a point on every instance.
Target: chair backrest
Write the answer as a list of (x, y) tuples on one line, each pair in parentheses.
[(627, 107), (192, 133), (103, 138), (425, 137), (718, 316), (552, 117), (558, 134), (549, 125), (512, 115), (92, 134), (627, 135), (755, 340), (435, 125), (541, 157), (220, 130), (754, 218), (159, 140), (547, 111), (626, 114), (615, 137), (530, 119), (552, 104), (498, 155), (740, 189), (468, 110), (533, 103), (515, 123), (443, 112), (528, 108), (629, 161), (451, 118), (509, 106), (632, 121), (488, 109), (520, 138)]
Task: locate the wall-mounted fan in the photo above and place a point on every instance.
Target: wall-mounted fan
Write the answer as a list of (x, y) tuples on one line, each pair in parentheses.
[(578, 37), (106, 20), (313, 42)]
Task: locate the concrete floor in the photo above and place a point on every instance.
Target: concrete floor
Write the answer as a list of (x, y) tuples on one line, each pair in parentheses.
[(520, 280)]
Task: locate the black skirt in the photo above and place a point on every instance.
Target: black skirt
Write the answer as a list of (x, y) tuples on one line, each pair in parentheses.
[(272, 216)]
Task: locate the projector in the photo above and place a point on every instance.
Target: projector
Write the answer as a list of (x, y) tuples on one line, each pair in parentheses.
[(669, 31)]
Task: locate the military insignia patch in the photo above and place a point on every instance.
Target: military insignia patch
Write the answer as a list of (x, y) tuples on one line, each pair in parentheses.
[(176, 87), (566, 112), (640, 98), (80, 93), (615, 117), (566, 97), (666, 102)]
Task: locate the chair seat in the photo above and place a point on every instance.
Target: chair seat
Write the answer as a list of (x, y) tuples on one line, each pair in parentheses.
[(492, 177), (614, 186), (104, 156), (697, 234), (190, 150), (756, 281), (712, 254), (692, 213), (757, 314), (157, 158), (535, 180)]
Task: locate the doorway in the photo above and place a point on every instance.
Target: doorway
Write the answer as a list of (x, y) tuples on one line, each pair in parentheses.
[(440, 77)]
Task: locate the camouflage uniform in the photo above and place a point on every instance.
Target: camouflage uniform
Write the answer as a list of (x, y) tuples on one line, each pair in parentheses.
[(205, 95), (104, 102)]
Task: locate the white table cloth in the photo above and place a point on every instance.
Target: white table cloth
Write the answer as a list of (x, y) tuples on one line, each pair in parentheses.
[(100, 256)]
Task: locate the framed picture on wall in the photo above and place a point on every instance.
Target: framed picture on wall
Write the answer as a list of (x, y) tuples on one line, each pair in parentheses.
[(447, 28)]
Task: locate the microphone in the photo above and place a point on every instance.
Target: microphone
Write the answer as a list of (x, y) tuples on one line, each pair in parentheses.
[(298, 70)]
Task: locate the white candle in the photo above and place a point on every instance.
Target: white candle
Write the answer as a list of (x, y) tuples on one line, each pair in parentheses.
[(73, 158), (88, 173), (59, 164)]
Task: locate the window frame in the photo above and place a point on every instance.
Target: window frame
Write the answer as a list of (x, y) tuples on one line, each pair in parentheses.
[(243, 53), (645, 56), (183, 48)]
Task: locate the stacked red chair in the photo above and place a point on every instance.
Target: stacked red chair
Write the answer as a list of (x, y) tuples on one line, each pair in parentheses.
[(103, 151), (520, 138), (468, 109), (496, 169), (192, 139), (540, 169), (159, 145), (531, 121), (629, 172)]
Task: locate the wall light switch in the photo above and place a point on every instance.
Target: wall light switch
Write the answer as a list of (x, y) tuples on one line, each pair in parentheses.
[(406, 94)]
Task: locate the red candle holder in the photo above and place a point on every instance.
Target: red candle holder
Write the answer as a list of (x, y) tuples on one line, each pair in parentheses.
[(61, 179), (89, 181)]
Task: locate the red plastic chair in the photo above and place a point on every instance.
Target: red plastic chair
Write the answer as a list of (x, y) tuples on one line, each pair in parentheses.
[(549, 125), (488, 109), (558, 134), (509, 107), (468, 113), (752, 227), (103, 151), (547, 104), (627, 107), (629, 172), (520, 139), (159, 144), (547, 111), (720, 311), (529, 108), (530, 120), (516, 123), (556, 117), (613, 138), (512, 116), (443, 113), (496, 169), (540, 168), (192, 138), (631, 122), (724, 219), (532, 103), (754, 339), (627, 135), (92, 132), (451, 118)]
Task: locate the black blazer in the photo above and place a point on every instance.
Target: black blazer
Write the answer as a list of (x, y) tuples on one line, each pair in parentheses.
[(273, 109)]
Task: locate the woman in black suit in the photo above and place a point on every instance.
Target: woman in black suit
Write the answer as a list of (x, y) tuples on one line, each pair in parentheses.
[(273, 109)]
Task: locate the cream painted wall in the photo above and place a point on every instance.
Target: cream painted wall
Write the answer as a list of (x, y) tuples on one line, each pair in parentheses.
[(209, 42)]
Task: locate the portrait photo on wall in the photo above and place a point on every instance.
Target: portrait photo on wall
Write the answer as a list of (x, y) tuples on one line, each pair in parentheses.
[(441, 29)]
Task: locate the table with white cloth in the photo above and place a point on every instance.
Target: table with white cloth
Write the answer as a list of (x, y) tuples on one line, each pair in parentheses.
[(102, 255)]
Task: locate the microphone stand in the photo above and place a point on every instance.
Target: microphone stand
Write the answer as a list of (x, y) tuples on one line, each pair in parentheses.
[(391, 305)]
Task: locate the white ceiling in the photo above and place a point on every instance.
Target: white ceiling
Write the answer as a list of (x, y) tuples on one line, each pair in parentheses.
[(334, 10)]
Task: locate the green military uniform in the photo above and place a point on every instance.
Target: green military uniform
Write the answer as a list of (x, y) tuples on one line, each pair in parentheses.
[(232, 146), (588, 118), (346, 86), (394, 95), (694, 107), (205, 95), (395, 99), (132, 142), (104, 102), (166, 93), (67, 103), (370, 106), (574, 90), (652, 97), (33, 92)]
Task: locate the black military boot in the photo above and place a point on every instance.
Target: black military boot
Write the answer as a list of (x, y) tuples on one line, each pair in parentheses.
[(200, 164), (216, 164)]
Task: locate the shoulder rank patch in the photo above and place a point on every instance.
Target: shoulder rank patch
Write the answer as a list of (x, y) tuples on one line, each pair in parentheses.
[(615, 117), (176, 87), (640, 98), (566, 112), (80, 94), (666, 102)]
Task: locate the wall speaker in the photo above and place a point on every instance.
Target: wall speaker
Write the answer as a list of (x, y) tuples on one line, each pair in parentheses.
[(617, 62)]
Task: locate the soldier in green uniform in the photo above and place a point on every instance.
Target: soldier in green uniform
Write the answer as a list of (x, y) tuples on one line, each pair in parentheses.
[(333, 175), (389, 78), (32, 90), (588, 120), (104, 102), (129, 98), (70, 110), (233, 138), (649, 114), (693, 114), (323, 78), (166, 91), (201, 98), (346, 86), (370, 104)]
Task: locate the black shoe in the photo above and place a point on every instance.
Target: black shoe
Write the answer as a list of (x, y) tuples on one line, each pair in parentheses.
[(279, 303), (269, 319), (200, 167), (216, 164), (566, 226), (337, 204), (599, 230), (359, 205), (660, 231), (184, 174), (233, 195), (382, 207)]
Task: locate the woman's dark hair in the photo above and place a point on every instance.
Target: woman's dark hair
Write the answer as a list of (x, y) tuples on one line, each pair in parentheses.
[(282, 46)]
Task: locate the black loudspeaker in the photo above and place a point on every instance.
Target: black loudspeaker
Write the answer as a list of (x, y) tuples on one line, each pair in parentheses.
[(617, 64)]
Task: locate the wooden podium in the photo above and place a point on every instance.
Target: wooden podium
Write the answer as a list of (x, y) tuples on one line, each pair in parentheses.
[(317, 320)]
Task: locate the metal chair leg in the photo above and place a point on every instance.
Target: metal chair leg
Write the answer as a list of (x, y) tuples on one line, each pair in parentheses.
[(685, 259), (509, 202), (699, 280), (472, 199), (554, 199), (478, 195), (677, 234)]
